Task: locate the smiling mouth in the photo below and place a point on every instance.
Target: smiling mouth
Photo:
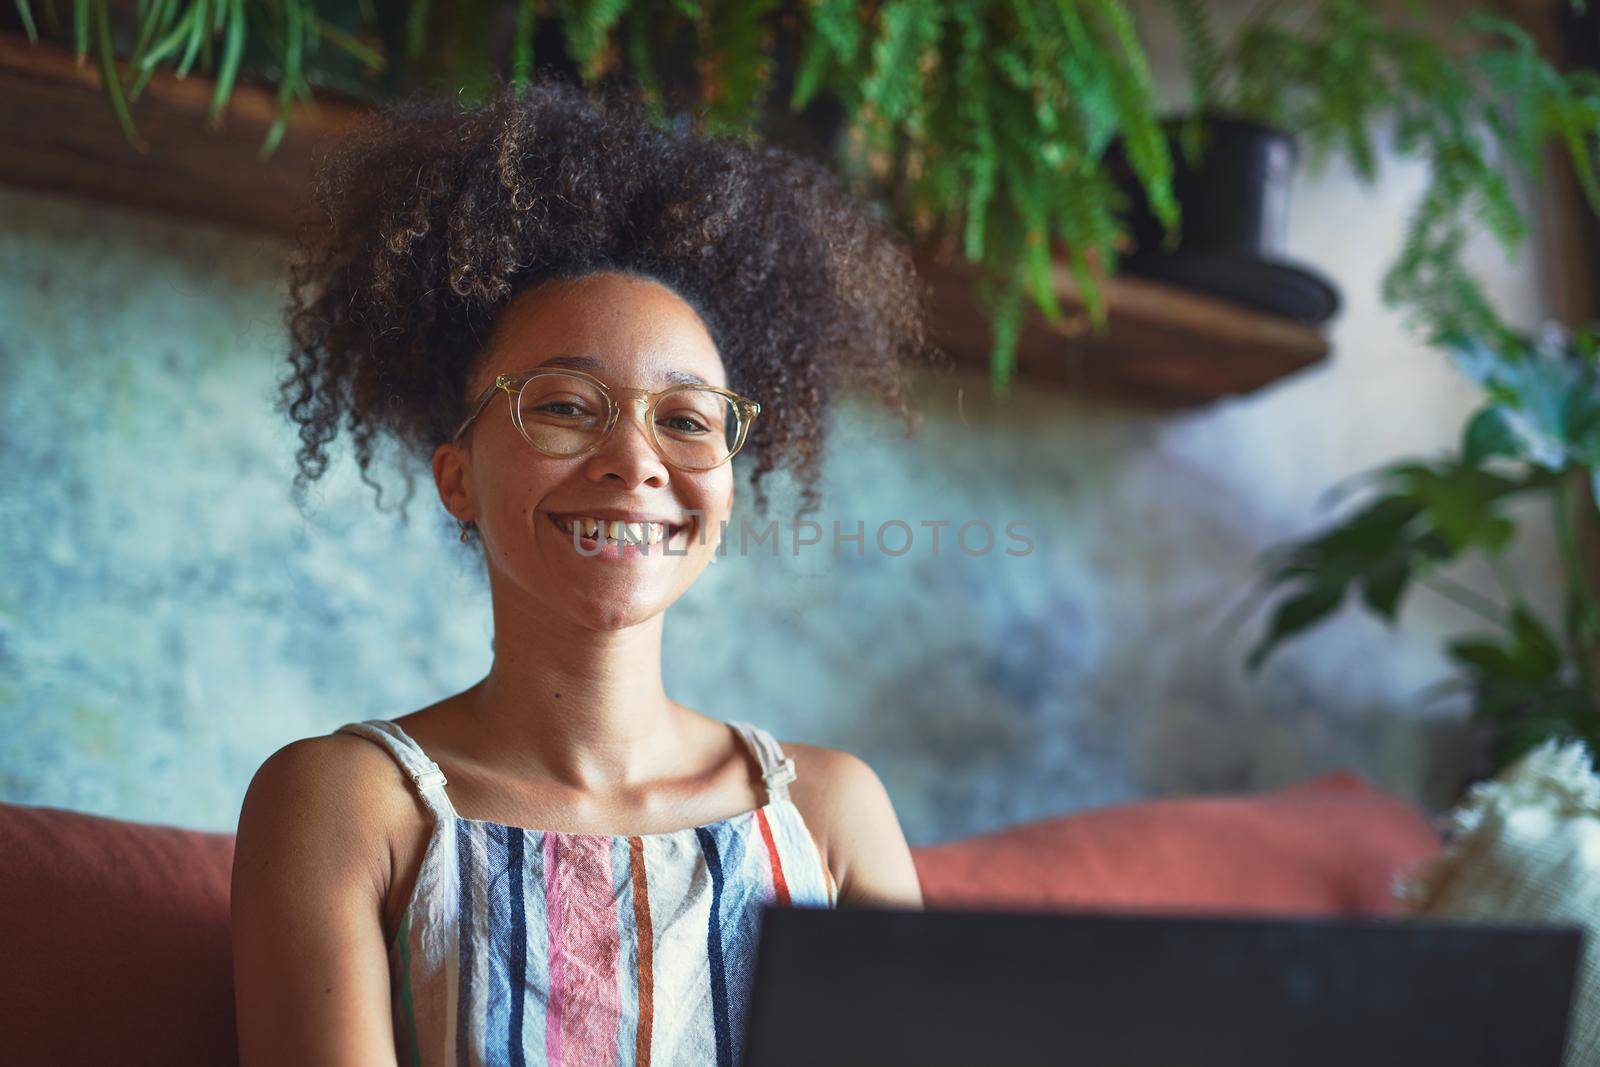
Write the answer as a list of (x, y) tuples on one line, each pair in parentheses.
[(613, 532)]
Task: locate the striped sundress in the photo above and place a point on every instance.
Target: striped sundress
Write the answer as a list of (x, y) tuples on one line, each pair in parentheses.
[(522, 946)]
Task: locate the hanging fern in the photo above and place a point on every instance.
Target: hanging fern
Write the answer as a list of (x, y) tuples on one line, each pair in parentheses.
[(1012, 104), (981, 120), (741, 46), (834, 44), (1202, 52), (522, 43), (587, 27)]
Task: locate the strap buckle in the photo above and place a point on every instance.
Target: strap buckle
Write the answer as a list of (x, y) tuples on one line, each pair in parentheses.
[(782, 774), (426, 778)]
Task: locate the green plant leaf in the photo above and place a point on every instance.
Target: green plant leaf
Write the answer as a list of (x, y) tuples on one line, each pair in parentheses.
[(1482, 654), (1460, 502), (113, 79), (172, 41), (81, 14), (1529, 656), (587, 26), (1487, 434), (1202, 51), (1007, 319), (1381, 590), (1546, 391), (25, 12), (1535, 648), (416, 27), (233, 51), (1296, 614), (833, 46), (197, 36), (908, 31)]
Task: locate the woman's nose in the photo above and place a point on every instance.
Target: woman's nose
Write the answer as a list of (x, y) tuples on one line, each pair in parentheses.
[(629, 451)]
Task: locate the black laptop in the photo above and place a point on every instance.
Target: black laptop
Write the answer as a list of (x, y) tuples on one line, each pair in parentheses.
[(895, 988)]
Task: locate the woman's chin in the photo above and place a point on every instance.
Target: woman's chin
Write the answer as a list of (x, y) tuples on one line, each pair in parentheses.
[(602, 594), (611, 615)]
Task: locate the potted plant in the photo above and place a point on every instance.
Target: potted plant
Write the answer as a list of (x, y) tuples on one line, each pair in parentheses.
[(1232, 190), (1473, 100), (1537, 435)]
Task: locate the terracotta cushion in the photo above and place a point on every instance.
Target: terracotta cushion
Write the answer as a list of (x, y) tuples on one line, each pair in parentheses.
[(114, 941), (114, 935), (1328, 846)]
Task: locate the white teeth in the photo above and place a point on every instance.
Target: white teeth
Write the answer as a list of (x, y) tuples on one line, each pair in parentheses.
[(622, 533)]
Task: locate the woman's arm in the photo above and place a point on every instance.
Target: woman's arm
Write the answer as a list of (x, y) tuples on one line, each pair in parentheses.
[(864, 846), (310, 869)]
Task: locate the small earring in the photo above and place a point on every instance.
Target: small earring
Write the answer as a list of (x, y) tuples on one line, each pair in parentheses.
[(467, 527)]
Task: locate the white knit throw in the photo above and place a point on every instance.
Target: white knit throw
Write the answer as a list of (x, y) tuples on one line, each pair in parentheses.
[(1526, 847)]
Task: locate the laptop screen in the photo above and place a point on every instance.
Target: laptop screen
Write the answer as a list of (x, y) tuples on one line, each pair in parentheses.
[(982, 989)]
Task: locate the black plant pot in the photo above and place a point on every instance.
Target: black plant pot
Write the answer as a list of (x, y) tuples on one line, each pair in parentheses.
[(1235, 204)]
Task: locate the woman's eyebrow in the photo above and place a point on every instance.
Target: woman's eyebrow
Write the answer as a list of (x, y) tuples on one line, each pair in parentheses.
[(594, 366)]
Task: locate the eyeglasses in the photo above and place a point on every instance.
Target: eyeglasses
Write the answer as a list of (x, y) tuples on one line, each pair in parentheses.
[(569, 413)]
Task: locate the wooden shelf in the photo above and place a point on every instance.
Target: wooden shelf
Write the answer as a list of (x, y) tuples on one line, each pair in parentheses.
[(1162, 346), (61, 136)]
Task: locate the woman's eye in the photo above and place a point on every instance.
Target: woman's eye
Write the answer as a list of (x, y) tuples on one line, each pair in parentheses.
[(684, 424), (561, 407)]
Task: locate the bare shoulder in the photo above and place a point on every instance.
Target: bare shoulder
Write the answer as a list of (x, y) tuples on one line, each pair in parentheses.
[(823, 775), (851, 815), (311, 868), (318, 800), (330, 779)]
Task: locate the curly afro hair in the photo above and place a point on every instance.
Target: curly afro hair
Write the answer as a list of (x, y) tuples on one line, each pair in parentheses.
[(432, 217)]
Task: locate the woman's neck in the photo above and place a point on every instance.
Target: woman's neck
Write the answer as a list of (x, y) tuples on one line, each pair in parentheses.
[(584, 708)]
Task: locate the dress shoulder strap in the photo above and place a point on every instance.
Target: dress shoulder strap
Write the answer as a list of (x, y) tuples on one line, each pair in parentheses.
[(423, 772), (777, 770)]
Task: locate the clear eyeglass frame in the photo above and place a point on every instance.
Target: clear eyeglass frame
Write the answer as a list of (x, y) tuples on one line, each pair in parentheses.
[(513, 384)]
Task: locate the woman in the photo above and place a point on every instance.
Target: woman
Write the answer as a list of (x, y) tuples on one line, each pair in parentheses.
[(577, 318)]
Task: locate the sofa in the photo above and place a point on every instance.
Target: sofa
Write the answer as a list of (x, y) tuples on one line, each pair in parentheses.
[(115, 945)]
